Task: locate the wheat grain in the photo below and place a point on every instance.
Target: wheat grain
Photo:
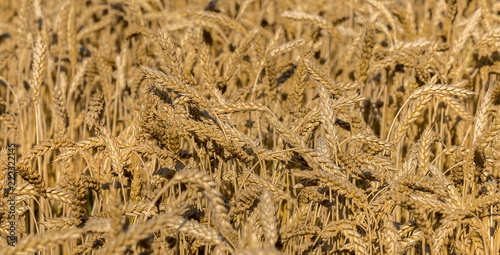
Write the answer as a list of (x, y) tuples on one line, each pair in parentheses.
[(249, 127)]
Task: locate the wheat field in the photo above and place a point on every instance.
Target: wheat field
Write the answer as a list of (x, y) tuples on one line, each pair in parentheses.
[(250, 127)]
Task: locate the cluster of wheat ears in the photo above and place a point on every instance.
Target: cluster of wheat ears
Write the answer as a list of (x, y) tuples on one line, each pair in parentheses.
[(250, 127)]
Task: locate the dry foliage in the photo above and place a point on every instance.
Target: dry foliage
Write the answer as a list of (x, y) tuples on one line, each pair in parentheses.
[(251, 127)]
